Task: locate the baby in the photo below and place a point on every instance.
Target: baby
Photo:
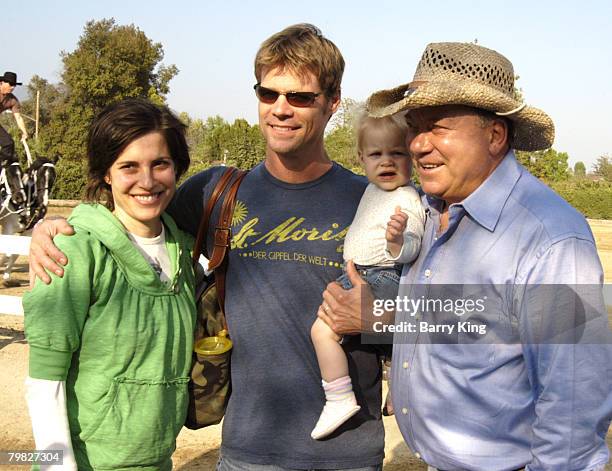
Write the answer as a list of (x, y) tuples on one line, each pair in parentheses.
[(385, 233)]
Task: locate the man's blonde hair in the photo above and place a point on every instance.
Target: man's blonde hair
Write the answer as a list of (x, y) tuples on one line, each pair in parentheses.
[(300, 49)]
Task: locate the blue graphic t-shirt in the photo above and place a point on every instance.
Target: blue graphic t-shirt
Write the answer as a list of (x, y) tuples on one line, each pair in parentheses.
[(286, 247)]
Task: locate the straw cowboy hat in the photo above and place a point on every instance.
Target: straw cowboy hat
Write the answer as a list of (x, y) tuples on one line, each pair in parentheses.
[(470, 75)]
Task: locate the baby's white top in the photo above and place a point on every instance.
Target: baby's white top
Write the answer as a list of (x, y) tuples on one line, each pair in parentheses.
[(365, 242)]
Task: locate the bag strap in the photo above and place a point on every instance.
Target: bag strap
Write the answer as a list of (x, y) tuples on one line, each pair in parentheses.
[(223, 235), (218, 190)]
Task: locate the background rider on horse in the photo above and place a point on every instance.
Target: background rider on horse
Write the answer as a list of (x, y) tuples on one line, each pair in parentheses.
[(8, 101)]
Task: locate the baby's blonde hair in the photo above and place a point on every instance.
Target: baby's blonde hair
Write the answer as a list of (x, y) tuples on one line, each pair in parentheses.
[(396, 122)]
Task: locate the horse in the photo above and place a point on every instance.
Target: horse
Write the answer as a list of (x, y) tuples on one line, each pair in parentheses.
[(12, 193), (37, 183), (12, 200)]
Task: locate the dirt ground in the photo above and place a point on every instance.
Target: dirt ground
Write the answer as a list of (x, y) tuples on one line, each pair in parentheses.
[(196, 450)]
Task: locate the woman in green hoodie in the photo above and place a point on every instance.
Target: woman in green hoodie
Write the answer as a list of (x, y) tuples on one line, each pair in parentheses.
[(111, 341)]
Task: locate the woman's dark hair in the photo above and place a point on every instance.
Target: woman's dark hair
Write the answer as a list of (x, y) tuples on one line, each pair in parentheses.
[(118, 125)]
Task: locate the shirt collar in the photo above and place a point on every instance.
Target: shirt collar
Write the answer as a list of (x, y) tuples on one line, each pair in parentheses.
[(431, 202), (486, 203)]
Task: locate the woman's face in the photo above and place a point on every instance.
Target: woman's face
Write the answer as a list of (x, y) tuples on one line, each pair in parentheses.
[(142, 181)]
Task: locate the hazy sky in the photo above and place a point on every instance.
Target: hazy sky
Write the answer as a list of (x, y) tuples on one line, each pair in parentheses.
[(562, 50)]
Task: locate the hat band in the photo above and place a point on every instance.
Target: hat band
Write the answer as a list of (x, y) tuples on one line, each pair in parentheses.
[(412, 86), (515, 110)]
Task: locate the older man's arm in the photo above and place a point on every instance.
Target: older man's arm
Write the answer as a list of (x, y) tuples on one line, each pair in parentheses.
[(568, 353)]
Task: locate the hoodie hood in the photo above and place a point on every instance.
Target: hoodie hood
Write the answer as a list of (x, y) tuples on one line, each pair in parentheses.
[(102, 225)]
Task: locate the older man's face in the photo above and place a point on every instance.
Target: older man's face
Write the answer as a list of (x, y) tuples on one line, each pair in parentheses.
[(451, 148)]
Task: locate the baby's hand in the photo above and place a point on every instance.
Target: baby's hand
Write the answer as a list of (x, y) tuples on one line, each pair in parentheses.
[(395, 231)]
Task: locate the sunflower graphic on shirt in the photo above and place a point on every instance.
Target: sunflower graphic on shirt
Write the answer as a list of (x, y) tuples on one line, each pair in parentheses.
[(240, 213)]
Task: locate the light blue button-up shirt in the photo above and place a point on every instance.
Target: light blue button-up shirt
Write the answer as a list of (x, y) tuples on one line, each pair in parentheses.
[(511, 402)]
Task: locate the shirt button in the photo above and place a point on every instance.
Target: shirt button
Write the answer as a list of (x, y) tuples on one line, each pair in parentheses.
[(427, 273), (417, 456), (404, 410), (405, 364)]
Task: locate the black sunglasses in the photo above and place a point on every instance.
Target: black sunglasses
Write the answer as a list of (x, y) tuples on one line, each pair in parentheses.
[(299, 99)]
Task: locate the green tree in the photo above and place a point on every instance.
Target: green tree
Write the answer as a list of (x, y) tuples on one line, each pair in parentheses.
[(347, 113), (592, 198), (113, 62), (245, 145), (215, 141), (215, 138), (51, 95), (341, 145), (196, 133), (603, 167), (341, 140), (579, 170), (110, 62), (70, 181), (548, 165)]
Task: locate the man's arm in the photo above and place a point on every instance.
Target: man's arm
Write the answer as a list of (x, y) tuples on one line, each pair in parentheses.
[(568, 355), (44, 255), (187, 206)]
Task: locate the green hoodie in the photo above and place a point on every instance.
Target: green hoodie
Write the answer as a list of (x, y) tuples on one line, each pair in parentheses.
[(120, 338)]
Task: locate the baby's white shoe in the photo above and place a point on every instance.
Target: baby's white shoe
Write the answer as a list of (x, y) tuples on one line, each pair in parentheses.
[(334, 414)]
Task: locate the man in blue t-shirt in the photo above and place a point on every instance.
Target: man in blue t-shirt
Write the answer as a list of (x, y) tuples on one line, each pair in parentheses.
[(291, 216)]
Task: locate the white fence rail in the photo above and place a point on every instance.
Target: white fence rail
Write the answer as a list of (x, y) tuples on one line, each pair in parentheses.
[(14, 245), (21, 245), (11, 305)]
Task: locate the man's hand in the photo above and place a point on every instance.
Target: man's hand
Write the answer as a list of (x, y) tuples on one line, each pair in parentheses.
[(395, 232), (44, 253), (341, 309)]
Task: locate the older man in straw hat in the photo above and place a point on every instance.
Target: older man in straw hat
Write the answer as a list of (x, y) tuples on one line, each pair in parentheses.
[(524, 379)]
